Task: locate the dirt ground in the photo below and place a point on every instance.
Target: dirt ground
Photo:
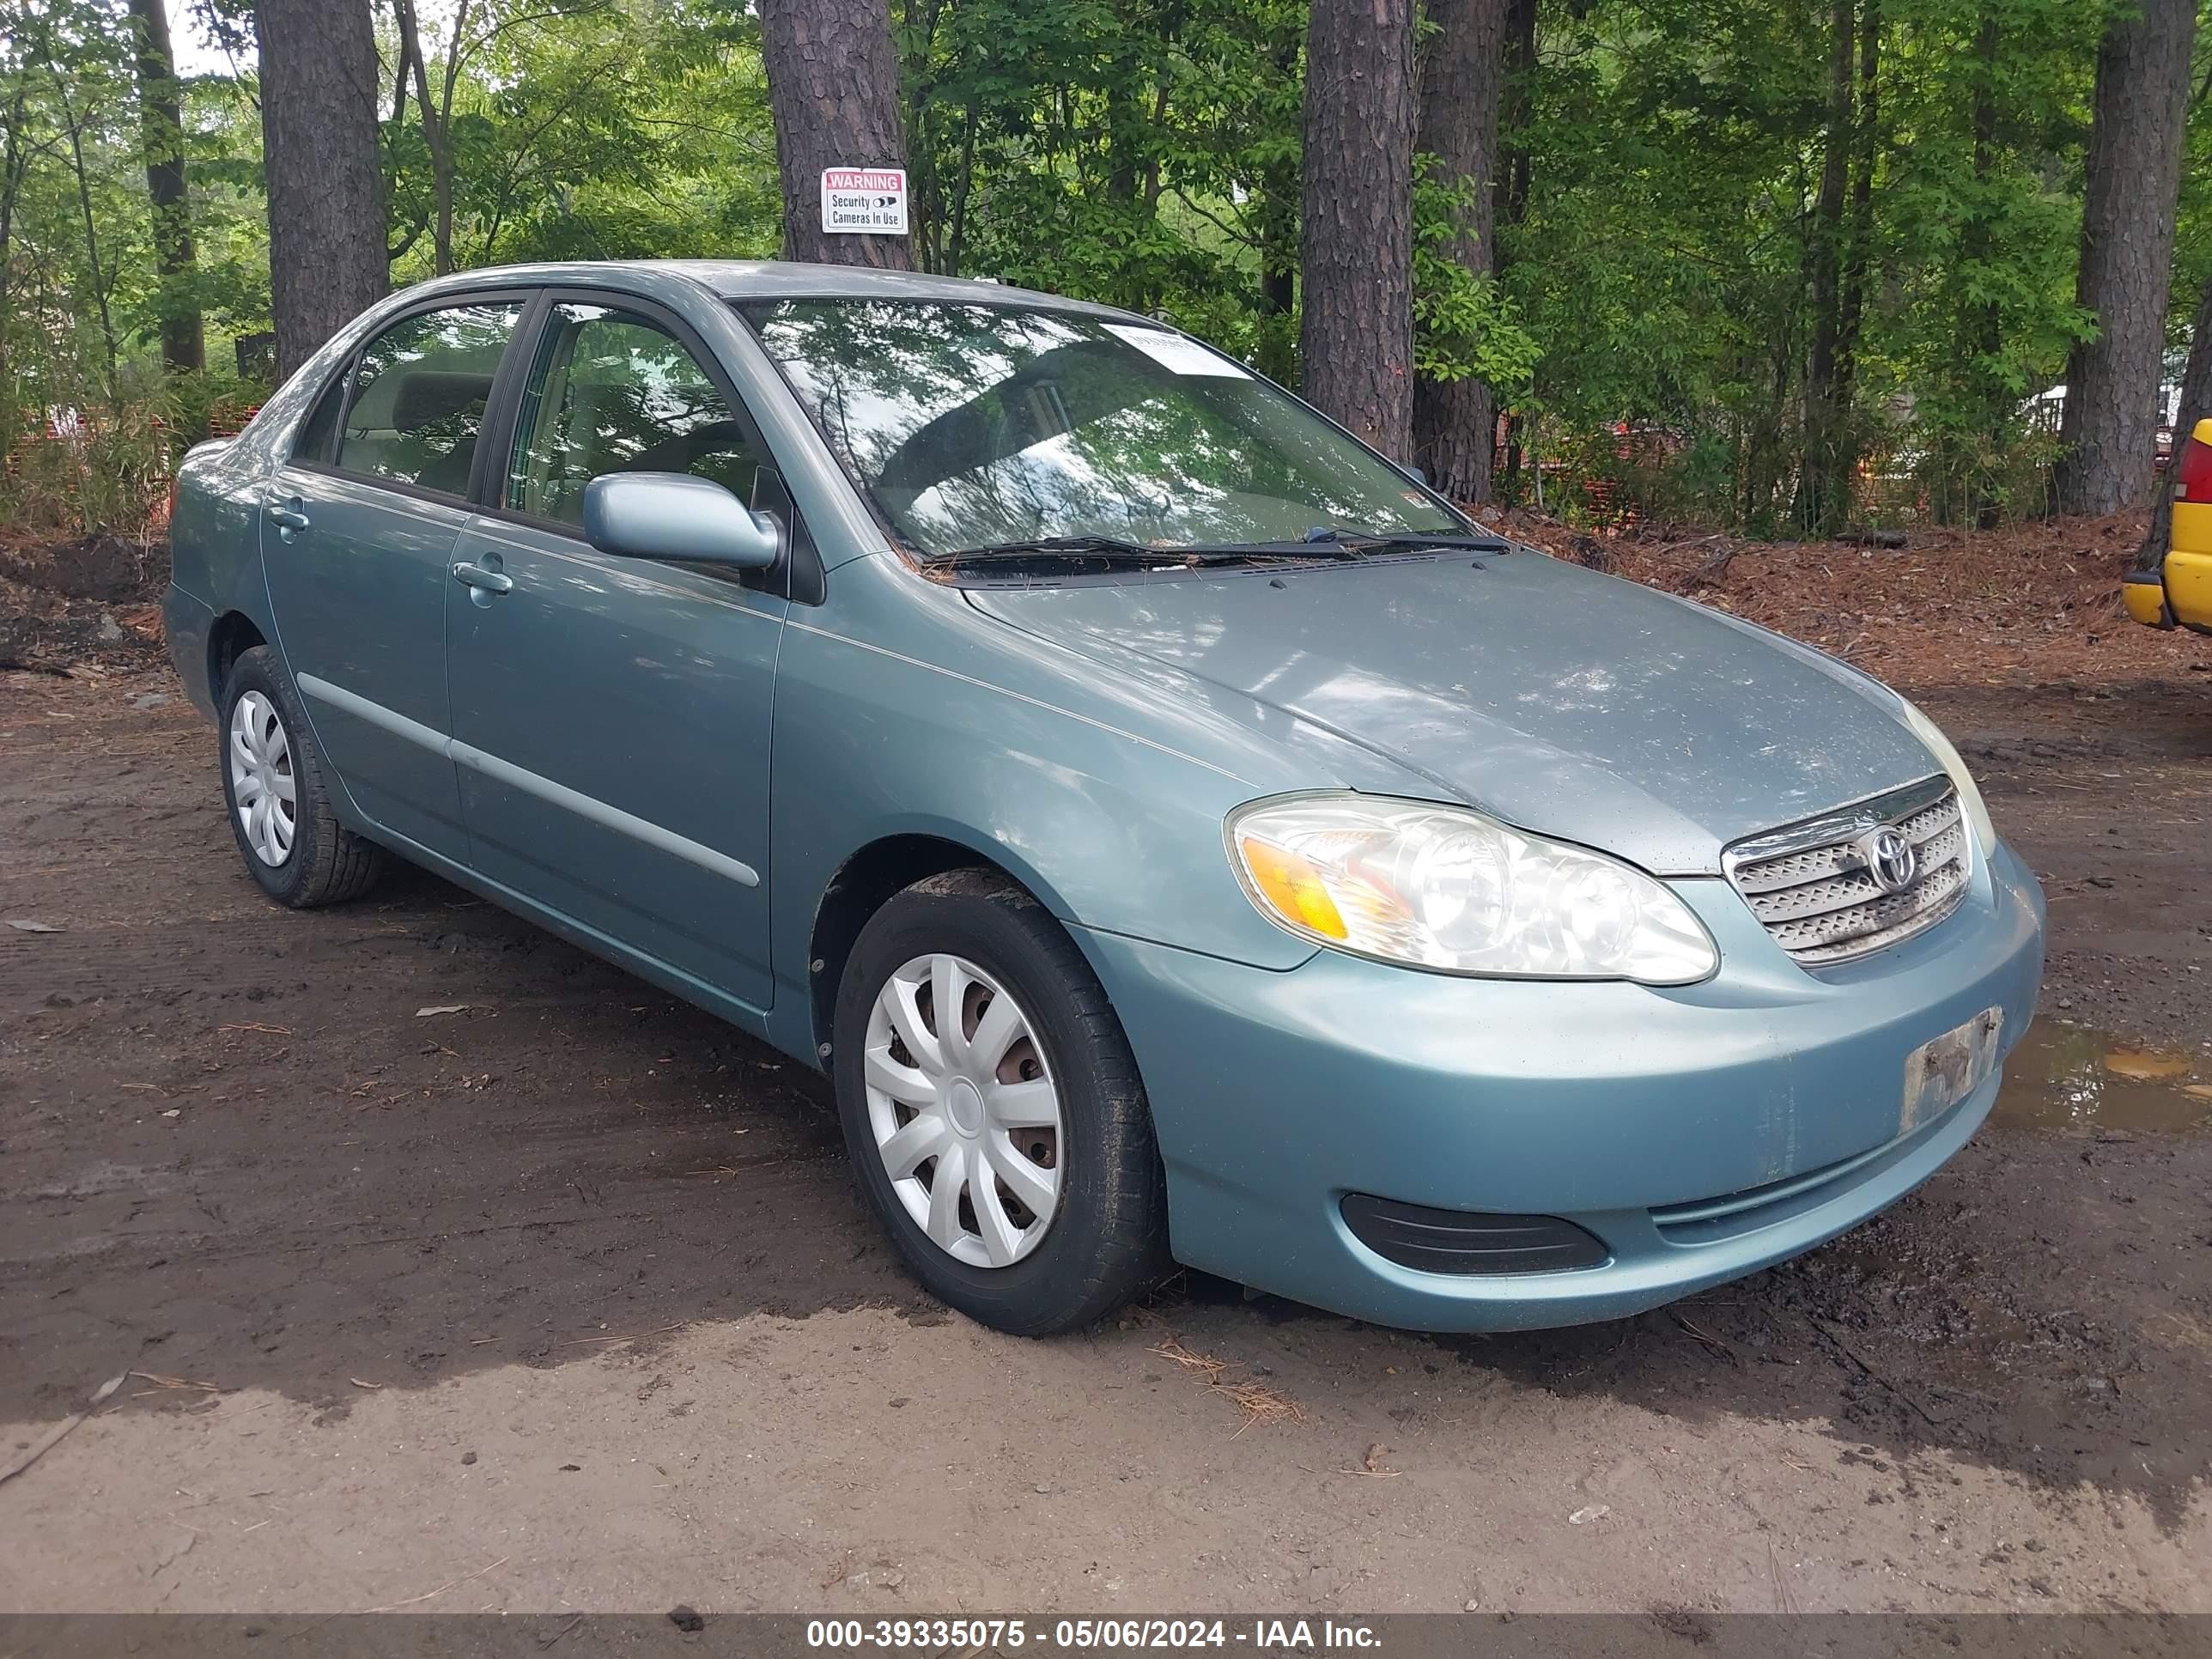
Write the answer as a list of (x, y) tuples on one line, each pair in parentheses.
[(565, 1300)]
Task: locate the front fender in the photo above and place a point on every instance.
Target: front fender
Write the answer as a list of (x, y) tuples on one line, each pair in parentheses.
[(1105, 801)]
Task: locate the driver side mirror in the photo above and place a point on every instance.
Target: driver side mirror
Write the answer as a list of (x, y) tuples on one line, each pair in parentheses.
[(674, 516)]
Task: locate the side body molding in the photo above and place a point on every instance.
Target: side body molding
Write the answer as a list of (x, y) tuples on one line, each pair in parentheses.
[(558, 795)]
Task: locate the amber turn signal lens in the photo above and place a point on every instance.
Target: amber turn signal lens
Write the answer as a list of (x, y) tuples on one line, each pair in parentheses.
[(1293, 886)]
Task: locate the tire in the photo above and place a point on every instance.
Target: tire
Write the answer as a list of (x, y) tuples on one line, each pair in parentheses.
[(1105, 1237), (321, 862)]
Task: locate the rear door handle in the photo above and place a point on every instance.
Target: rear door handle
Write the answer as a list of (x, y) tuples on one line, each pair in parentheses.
[(288, 513), (486, 581)]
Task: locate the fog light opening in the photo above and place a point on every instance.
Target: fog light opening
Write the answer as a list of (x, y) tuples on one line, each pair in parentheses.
[(1467, 1242)]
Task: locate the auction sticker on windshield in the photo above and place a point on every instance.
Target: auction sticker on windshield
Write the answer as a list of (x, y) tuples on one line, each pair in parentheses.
[(1173, 351), (863, 201)]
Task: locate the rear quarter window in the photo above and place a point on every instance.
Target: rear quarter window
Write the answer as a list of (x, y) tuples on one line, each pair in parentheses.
[(316, 435)]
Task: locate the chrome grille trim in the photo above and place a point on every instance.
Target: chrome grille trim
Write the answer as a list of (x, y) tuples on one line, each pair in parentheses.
[(1831, 893), (1809, 887)]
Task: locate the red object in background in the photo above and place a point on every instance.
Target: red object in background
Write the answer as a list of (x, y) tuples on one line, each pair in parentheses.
[(2194, 481)]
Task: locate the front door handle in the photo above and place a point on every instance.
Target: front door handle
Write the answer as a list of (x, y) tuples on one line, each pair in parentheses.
[(288, 513), (484, 580)]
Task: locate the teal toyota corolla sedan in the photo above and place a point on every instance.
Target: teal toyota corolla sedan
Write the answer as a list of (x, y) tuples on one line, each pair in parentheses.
[(1179, 835)]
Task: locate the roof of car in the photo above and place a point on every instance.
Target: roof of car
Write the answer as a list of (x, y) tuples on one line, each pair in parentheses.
[(749, 279), (778, 279)]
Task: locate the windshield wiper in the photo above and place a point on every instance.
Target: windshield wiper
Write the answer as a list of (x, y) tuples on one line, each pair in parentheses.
[(1359, 541), (1044, 547), (1114, 551), (1321, 544)]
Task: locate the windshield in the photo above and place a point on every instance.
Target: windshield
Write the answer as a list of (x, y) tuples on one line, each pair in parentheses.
[(976, 426)]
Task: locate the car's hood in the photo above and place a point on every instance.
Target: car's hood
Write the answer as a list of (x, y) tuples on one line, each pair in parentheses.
[(1597, 710)]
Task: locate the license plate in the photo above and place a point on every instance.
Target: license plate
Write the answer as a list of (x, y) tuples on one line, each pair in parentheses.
[(1943, 1071)]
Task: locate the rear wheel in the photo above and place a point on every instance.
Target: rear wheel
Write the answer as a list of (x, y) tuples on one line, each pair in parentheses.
[(272, 783), (992, 1109)]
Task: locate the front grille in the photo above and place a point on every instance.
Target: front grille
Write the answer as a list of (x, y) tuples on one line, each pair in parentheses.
[(1812, 885)]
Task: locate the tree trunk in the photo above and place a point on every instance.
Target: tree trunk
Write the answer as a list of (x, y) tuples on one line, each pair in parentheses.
[(1461, 77), (103, 281), (1278, 214), (437, 122), (1858, 249), (916, 32), (15, 161), (161, 120), (1983, 333), (1516, 101), (1124, 141), (1278, 268), (2134, 177), (1823, 420), (963, 187), (834, 89), (1518, 98), (1356, 334), (442, 157), (2196, 405), (326, 206)]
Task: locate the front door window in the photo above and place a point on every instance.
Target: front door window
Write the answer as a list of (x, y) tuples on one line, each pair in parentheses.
[(612, 393)]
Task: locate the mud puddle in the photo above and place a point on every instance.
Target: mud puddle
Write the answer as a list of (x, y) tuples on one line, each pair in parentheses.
[(2070, 1079)]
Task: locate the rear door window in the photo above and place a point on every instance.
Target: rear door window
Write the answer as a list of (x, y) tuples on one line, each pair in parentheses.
[(420, 393)]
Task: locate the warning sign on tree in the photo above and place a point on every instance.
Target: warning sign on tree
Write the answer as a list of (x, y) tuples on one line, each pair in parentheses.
[(863, 201)]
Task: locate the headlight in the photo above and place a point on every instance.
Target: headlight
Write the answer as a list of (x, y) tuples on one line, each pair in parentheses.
[(1970, 795), (1446, 889)]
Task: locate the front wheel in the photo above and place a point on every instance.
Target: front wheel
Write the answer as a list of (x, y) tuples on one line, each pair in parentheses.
[(992, 1109)]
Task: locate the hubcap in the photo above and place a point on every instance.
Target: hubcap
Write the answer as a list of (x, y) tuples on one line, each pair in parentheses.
[(262, 788), (965, 1113), (964, 1105)]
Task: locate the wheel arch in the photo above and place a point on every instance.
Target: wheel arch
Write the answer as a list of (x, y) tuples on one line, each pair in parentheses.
[(231, 636), (870, 878)]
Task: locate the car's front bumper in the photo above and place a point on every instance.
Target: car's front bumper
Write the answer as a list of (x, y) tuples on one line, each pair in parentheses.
[(1276, 1095)]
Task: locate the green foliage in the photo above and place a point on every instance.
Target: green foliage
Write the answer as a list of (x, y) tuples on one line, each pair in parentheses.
[(76, 275), (97, 470), (1981, 238), (585, 130), (1464, 326), (1143, 152), (1651, 323), (1663, 263)]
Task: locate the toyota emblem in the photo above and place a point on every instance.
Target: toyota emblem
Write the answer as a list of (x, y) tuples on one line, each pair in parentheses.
[(1890, 859)]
